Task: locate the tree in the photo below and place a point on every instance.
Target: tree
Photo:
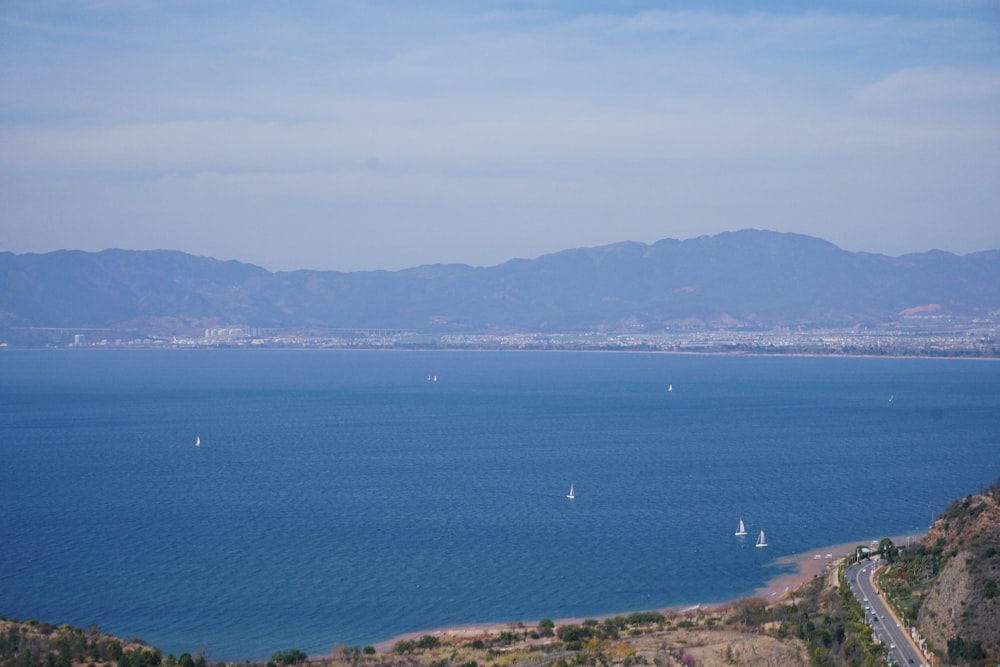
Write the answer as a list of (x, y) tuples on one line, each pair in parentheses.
[(887, 550), (959, 650), (403, 646), (292, 656)]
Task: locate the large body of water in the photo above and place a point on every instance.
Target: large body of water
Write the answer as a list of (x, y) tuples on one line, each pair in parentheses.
[(345, 498)]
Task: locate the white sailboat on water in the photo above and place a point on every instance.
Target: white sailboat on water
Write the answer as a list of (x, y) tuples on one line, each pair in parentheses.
[(761, 541), (197, 441), (571, 495), (742, 530)]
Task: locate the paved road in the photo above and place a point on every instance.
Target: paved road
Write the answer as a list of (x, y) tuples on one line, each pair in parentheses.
[(877, 613)]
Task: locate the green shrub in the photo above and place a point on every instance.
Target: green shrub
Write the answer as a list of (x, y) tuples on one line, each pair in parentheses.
[(292, 656), (403, 646)]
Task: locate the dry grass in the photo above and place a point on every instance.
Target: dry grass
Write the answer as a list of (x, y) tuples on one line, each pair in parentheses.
[(702, 638)]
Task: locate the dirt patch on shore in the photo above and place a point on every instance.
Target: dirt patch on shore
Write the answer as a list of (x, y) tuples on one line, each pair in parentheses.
[(696, 638), (806, 566), (717, 648)]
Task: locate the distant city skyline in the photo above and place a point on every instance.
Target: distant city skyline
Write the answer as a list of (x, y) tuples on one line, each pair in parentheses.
[(376, 135)]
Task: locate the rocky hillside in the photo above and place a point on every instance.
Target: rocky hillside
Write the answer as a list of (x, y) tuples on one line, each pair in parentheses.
[(949, 582), (962, 608)]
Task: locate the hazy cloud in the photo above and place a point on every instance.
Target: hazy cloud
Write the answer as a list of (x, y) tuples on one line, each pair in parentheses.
[(390, 135)]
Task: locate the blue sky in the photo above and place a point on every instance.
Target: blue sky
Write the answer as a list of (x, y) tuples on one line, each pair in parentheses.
[(383, 135)]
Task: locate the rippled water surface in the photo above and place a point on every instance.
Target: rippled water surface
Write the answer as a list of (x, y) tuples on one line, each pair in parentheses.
[(344, 497)]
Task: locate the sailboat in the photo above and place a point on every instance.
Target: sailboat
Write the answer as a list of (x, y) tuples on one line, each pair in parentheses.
[(197, 441), (571, 495), (742, 530), (761, 542)]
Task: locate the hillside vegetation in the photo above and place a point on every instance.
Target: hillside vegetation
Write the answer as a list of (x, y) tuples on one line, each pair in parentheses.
[(949, 582), (34, 644)]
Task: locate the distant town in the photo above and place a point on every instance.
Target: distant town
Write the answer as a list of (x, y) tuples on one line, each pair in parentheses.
[(746, 292), (939, 339)]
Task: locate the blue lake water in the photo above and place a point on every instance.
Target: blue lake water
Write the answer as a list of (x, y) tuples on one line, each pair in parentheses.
[(342, 498)]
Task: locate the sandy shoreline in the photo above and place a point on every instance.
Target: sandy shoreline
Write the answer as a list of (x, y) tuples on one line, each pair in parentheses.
[(806, 565)]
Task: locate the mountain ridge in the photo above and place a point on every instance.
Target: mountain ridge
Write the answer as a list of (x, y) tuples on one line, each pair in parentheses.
[(744, 279)]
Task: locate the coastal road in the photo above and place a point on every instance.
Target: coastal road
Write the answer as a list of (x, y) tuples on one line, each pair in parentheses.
[(885, 625)]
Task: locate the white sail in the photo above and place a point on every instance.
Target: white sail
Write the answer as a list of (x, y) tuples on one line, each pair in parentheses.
[(197, 441), (742, 530), (571, 495), (761, 542)]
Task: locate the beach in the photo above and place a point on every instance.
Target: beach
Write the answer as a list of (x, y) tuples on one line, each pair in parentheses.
[(806, 566)]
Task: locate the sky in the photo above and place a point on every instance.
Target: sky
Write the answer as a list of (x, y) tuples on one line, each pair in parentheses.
[(375, 134)]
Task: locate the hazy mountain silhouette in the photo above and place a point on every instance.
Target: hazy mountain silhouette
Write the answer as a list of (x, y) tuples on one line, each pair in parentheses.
[(748, 278)]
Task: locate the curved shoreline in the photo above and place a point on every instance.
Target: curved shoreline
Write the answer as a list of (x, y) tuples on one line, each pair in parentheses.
[(806, 567)]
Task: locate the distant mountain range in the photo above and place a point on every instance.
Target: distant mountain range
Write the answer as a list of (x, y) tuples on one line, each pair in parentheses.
[(745, 279)]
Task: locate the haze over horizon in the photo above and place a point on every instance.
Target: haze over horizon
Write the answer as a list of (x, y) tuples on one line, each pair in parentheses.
[(372, 135)]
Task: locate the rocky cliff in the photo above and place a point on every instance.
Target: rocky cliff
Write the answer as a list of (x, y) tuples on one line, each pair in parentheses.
[(960, 613)]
